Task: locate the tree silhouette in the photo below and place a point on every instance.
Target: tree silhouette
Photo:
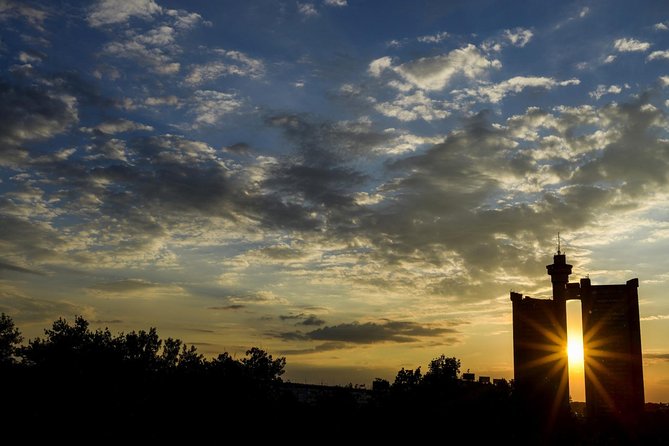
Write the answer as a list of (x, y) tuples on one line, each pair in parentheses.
[(10, 338)]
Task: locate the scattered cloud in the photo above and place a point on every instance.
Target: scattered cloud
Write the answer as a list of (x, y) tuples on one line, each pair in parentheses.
[(307, 9), (233, 63), (601, 90), (625, 45), (495, 93), (433, 38), (519, 36), (117, 126), (209, 106), (109, 12), (413, 106), (662, 26), (655, 55), (435, 73), (339, 3), (610, 59)]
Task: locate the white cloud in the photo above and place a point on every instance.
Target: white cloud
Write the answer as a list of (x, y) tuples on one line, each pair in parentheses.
[(518, 36), (307, 9), (233, 63), (435, 73), (664, 80), (210, 106), (154, 57), (335, 3), (29, 58), (495, 93), (184, 20), (107, 12), (433, 38), (610, 58), (658, 55), (117, 126), (601, 90), (158, 101), (630, 45), (377, 66), (661, 27), (413, 107)]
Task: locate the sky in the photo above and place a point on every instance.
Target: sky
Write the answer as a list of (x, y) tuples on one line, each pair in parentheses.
[(355, 185)]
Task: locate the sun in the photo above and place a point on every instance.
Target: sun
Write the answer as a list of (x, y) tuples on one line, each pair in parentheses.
[(575, 352)]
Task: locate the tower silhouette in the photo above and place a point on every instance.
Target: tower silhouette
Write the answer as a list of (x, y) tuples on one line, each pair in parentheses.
[(612, 348)]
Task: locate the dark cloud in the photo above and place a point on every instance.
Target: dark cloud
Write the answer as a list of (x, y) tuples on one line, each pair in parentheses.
[(30, 113), (312, 320), (303, 319), (239, 148), (369, 332), (228, 307), (19, 269), (325, 347), (25, 309)]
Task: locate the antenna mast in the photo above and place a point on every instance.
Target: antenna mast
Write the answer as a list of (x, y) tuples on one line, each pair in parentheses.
[(558, 243)]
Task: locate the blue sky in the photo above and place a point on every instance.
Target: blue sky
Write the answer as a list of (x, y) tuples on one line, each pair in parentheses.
[(354, 184)]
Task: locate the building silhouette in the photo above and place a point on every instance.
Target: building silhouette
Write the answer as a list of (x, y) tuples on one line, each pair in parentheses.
[(612, 348)]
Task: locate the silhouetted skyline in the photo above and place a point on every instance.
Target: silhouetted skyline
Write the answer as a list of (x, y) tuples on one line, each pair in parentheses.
[(356, 185)]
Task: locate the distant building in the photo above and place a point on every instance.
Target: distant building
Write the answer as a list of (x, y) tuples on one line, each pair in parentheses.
[(612, 346)]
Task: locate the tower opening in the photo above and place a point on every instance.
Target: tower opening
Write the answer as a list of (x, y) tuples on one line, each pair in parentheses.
[(575, 350)]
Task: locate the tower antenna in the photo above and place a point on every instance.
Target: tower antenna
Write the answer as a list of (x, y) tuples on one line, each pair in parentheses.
[(558, 242)]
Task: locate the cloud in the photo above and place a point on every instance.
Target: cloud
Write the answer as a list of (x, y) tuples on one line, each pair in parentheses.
[(162, 101), (234, 63), (120, 125), (519, 36), (610, 58), (413, 106), (10, 267), (25, 309), (433, 38), (307, 9), (228, 307), (377, 66), (107, 12), (338, 3), (30, 114), (372, 332), (303, 319), (35, 17), (152, 51), (123, 286), (324, 347), (664, 81), (662, 26), (655, 55), (630, 45), (209, 106), (495, 93), (435, 73), (601, 90)]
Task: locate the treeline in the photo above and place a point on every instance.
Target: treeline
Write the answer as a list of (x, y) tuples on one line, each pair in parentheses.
[(94, 386)]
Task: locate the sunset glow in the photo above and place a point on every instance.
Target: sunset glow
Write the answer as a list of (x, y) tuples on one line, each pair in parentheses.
[(355, 185)]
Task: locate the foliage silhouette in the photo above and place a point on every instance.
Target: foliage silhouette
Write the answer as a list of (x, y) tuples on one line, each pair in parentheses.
[(135, 386)]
